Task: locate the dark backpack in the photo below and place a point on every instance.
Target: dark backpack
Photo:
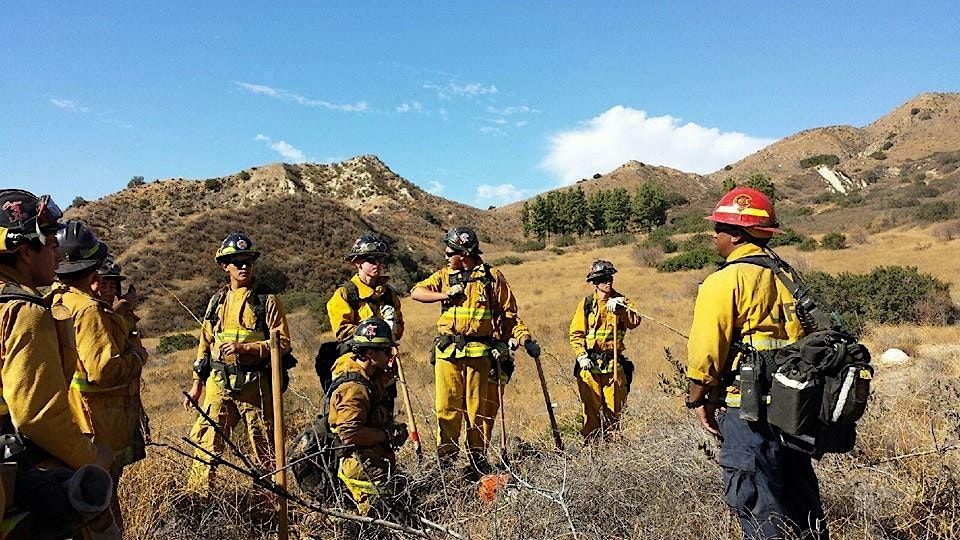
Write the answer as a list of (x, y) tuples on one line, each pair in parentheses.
[(316, 452), (819, 385), (258, 302)]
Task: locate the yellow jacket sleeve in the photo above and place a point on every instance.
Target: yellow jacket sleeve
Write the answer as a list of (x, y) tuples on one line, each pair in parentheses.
[(204, 348), (578, 330), (35, 387), (350, 406), (713, 328), (108, 362), (433, 283), (510, 321), (629, 317), (343, 320)]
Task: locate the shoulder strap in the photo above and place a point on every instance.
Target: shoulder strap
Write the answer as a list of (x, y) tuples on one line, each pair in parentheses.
[(7, 297), (774, 265), (351, 376), (353, 295), (213, 308), (260, 314), (587, 307)]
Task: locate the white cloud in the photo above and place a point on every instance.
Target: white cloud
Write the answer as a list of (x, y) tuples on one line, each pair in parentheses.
[(285, 149), (69, 105), (499, 194), (491, 130), (511, 110), (521, 123), (279, 93), (408, 106), (453, 89), (621, 134), (435, 187)]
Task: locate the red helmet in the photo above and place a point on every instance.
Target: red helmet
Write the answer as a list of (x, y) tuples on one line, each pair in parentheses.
[(748, 208)]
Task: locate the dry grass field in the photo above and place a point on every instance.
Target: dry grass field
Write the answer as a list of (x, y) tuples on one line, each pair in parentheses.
[(661, 479)]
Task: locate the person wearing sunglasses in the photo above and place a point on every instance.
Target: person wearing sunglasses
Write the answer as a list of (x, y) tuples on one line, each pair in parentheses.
[(771, 487), (477, 310), (233, 362), (597, 329), (105, 392), (40, 432)]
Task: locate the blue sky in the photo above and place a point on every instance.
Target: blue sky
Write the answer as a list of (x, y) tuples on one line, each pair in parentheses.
[(481, 102)]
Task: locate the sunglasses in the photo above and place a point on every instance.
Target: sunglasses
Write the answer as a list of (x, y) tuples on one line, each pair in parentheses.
[(602, 280), (449, 254), (240, 261), (372, 259)]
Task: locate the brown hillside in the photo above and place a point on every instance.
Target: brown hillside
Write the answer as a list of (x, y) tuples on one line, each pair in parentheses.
[(304, 217)]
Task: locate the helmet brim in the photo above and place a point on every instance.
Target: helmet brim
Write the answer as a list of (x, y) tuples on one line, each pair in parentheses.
[(771, 230)]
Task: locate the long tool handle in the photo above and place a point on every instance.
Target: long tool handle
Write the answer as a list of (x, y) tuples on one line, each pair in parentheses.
[(279, 442), (546, 398), (616, 352), (503, 415), (411, 418)]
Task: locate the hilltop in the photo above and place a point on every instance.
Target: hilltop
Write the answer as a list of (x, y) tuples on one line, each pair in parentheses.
[(304, 217)]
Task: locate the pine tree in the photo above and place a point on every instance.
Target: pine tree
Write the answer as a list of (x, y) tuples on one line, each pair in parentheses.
[(525, 218), (540, 218), (649, 207), (596, 211), (581, 212), (618, 210), (762, 182)]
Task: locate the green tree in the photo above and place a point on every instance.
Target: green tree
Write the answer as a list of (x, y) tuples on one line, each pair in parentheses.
[(136, 181), (581, 212), (649, 207), (78, 201), (762, 182), (540, 218), (596, 211), (729, 184), (617, 210), (525, 218)]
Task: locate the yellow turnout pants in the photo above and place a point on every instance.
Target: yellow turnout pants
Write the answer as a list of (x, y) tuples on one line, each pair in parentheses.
[(368, 479), (602, 403), (253, 403), (461, 389)]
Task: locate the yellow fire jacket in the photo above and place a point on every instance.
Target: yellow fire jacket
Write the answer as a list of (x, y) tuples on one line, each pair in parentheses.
[(344, 320), (236, 321), (595, 333), (105, 390), (485, 310), (35, 377), (352, 407), (741, 302)]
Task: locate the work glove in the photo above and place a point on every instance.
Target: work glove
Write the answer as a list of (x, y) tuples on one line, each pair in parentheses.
[(389, 315), (533, 348), (454, 291), (616, 304), (512, 343), (397, 434), (585, 362)]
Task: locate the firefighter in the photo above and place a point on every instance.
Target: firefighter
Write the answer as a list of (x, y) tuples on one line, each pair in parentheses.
[(41, 441), (360, 418), (367, 294), (771, 487), (598, 327), (478, 309), (233, 361), (109, 288), (105, 391)]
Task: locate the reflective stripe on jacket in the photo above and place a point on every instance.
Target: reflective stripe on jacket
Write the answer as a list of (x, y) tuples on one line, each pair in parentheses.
[(473, 314), (741, 302), (594, 334)]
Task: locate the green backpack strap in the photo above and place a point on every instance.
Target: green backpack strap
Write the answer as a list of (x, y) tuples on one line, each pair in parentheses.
[(587, 308), (351, 376)]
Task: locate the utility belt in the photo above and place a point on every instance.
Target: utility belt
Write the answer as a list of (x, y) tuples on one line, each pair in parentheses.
[(236, 376), (603, 365), (463, 347)]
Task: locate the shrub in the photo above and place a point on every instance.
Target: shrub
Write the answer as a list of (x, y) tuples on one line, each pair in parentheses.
[(834, 241), (565, 240), (529, 245), (78, 202), (887, 145), (314, 303), (808, 244), (819, 159), (878, 155), (661, 239), (887, 295), (935, 211), (213, 184), (557, 251), (689, 223), (136, 181), (789, 237), (728, 167), (176, 342), (689, 260), (804, 211), (611, 240), (647, 256), (506, 260), (697, 241)]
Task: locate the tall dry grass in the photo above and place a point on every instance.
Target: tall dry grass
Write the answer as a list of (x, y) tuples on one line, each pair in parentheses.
[(660, 479)]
